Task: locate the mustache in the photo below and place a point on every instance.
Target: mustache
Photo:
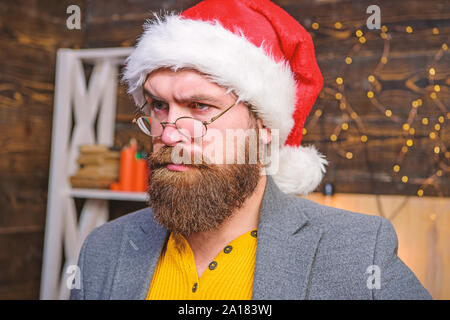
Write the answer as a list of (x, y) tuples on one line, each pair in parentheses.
[(163, 157)]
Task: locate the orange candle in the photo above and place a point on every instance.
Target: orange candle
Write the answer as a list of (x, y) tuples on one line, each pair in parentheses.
[(141, 175), (127, 161), (115, 186)]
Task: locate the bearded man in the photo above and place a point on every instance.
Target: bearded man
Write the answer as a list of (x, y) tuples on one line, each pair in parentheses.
[(220, 229)]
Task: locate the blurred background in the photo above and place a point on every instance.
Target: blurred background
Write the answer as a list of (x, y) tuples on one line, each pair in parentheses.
[(381, 120)]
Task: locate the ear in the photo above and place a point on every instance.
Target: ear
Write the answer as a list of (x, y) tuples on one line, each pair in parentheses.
[(265, 134)]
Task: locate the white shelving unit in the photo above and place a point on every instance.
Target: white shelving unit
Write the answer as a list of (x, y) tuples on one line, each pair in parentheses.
[(107, 195), (92, 104)]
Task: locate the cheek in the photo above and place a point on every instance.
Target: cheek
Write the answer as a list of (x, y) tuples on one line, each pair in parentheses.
[(156, 146), (237, 120), (222, 147), (225, 141)]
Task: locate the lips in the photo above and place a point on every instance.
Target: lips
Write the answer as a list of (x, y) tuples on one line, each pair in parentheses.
[(177, 167)]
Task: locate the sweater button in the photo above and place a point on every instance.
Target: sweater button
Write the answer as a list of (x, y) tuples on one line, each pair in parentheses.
[(212, 265), (194, 287), (227, 249)]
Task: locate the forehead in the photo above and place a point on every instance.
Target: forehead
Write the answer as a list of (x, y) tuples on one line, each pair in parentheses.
[(180, 83)]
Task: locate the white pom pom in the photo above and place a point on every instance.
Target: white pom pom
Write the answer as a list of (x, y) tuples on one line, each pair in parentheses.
[(300, 170)]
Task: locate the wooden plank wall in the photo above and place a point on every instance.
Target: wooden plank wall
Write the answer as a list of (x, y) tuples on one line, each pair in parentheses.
[(400, 59), (32, 31), (30, 34), (423, 231)]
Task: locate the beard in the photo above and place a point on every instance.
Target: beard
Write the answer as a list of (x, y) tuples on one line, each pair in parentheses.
[(200, 198)]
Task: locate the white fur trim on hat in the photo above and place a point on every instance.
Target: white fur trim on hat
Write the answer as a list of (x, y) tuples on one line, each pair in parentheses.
[(227, 59), (301, 169)]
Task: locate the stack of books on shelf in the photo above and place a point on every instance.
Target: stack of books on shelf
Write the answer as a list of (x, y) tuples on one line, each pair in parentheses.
[(98, 167)]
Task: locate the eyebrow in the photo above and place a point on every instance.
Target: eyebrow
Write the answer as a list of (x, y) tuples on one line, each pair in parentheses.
[(194, 97)]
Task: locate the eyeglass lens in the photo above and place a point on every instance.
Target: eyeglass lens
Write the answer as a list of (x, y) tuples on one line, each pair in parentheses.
[(189, 127)]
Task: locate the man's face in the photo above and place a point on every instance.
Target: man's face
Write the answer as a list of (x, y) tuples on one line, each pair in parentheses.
[(171, 95), (198, 196)]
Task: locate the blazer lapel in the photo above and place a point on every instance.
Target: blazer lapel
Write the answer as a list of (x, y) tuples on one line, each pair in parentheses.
[(286, 248), (140, 250)]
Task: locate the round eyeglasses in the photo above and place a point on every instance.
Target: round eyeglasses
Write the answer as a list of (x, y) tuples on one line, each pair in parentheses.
[(189, 127)]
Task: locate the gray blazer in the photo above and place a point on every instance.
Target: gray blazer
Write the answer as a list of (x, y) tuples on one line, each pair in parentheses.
[(304, 251)]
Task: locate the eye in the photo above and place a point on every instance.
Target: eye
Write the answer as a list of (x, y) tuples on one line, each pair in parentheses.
[(201, 106), (158, 105)]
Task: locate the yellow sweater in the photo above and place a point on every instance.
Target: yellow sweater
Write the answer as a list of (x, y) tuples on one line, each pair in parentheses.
[(228, 277)]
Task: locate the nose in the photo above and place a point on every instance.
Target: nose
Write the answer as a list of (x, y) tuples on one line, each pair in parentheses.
[(170, 135)]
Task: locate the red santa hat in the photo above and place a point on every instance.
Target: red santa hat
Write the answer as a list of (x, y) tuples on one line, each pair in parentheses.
[(257, 50)]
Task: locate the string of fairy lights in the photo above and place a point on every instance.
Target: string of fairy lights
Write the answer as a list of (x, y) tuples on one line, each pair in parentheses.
[(439, 150)]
